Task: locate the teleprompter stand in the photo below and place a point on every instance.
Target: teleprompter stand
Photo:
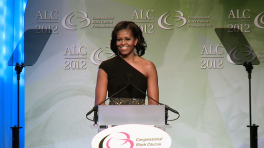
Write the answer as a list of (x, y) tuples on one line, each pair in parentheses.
[(33, 44), (254, 127), (241, 53), (15, 129)]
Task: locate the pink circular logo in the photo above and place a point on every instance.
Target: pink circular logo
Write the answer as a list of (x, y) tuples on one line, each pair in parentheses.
[(120, 139)]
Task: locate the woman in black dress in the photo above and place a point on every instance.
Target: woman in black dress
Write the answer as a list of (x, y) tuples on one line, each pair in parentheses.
[(127, 66)]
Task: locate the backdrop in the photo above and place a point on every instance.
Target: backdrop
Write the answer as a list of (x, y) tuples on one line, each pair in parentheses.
[(195, 76)]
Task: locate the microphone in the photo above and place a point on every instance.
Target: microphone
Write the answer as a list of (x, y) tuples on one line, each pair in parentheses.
[(94, 109), (129, 76), (171, 109), (166, 106)]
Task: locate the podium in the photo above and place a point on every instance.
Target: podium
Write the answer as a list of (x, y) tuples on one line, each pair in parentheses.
[(131, 126), (111, 115)]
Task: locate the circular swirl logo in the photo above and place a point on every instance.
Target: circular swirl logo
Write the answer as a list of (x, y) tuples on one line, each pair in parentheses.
[(117, 140), (67, 21), (163, 18), (131, 136), (259, 18), (238, 60)]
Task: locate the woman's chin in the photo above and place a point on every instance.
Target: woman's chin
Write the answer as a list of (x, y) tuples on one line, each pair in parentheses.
[(125, 53)]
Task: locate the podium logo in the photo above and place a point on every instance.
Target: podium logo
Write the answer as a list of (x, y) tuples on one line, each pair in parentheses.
[(235, 52), (120, 140), (67, 21), (163, 19), (131, 136), (258, 19)]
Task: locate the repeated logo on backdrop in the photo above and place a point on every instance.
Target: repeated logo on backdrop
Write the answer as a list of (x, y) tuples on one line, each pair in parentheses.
[(258, 20), (95, 56), (238, 21), (49, 21), (234, 54), (179, 19), (211, 57), (68, 24), (79, 20)]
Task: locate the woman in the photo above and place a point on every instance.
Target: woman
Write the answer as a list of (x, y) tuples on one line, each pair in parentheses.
[(127, 67)]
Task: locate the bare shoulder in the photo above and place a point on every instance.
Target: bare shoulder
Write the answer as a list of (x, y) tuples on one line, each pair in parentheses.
[(148, 65)]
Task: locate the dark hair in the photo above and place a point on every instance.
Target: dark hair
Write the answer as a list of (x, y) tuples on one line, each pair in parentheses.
[(137, 33)]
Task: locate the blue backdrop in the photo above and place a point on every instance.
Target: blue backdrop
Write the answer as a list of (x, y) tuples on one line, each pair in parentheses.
[(11, 30)]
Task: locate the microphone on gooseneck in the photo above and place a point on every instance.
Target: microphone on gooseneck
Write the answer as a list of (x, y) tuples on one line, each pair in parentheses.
[(129, 77), (94, 109)]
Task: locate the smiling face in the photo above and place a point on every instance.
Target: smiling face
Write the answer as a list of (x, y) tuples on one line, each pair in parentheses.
[(126, 42)]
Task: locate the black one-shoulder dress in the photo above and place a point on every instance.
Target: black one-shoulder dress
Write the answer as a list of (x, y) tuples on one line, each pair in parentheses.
[(120, 73)]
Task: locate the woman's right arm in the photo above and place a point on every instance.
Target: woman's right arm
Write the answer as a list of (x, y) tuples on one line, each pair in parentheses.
[(101, 87)]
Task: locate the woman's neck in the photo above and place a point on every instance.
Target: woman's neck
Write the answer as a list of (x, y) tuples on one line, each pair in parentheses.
[(129, 58)]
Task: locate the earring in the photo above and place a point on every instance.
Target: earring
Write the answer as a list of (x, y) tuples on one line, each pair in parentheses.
[(135, 50)]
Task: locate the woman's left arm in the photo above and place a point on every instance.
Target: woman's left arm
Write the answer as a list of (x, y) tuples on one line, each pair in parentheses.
[(153, 88)]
